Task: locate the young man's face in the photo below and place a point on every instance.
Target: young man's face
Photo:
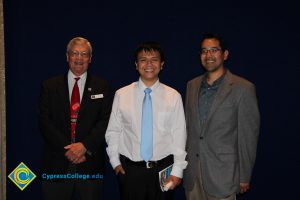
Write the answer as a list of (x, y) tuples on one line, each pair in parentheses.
[(211, 55), (149, 65)]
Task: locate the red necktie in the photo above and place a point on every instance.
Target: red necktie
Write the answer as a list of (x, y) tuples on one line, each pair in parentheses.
[(75, 105)]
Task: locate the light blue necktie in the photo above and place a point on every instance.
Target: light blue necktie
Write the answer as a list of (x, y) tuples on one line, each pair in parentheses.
[(147, 138)]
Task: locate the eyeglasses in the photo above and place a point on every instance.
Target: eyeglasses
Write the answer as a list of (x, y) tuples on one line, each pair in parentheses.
[(212, 50), (83, 54)]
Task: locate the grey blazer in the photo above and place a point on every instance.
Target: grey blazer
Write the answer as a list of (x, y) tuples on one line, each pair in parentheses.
[(226, 143)]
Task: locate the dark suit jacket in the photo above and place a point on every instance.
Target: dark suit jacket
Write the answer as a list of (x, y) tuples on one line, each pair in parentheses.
[(226, 143), (54, 123)]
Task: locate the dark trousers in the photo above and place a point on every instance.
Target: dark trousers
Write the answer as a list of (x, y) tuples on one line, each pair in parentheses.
[(72, 189), (142, 183)]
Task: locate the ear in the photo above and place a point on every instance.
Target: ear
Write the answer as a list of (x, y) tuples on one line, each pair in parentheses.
[(161, 65), (90, 60), (226, 54), (136, 66), (67, 57)]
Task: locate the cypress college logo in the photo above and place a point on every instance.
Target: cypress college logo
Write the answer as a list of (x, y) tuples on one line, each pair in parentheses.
[(22, 176)]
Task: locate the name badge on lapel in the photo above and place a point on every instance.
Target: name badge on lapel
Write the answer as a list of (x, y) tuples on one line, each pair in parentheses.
[(97, 96)]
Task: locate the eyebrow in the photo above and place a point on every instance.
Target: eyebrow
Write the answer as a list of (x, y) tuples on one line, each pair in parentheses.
[(210, 47)]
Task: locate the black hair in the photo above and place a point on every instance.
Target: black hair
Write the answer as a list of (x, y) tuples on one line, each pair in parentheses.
[(215, 36), (148, 47)]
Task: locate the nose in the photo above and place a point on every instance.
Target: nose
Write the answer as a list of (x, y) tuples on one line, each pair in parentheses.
[(149, 62), (79, 57)]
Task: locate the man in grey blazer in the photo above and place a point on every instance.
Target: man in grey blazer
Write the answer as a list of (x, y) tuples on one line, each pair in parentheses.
[(222, 125)]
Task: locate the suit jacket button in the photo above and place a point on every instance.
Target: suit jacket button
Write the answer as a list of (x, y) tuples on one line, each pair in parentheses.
[(197, 155), (201, 138)]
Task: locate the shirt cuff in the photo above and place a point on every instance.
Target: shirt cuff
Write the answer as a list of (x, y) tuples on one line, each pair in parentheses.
[(88, 152), (176, 171), (115, 162)]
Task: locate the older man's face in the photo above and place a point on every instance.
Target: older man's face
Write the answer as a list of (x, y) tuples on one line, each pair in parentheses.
[(79, 57)]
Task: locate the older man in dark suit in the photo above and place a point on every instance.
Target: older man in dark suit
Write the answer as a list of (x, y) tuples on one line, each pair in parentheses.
[(74, 110), (222, 126)]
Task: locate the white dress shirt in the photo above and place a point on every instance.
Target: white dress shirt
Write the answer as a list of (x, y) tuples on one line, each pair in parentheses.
[(80, 83), (123, 134)]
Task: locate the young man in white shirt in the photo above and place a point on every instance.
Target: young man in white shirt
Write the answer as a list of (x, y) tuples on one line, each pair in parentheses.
[(137, 176)]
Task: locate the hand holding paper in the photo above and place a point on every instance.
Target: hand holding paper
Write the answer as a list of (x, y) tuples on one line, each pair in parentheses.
[(168, 186)]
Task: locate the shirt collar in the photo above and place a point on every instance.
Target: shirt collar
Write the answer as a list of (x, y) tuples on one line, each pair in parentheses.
[(71, 76), (216, 83), (142, 86)]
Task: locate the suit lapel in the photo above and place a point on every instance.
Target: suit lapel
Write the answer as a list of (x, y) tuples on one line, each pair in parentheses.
[(196, 103), (86, 93), (63, 92)]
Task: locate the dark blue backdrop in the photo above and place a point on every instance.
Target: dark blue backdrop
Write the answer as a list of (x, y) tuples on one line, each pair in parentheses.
[(264, 44)]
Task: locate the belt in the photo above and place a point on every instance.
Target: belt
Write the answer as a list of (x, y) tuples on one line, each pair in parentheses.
[(149, 164)]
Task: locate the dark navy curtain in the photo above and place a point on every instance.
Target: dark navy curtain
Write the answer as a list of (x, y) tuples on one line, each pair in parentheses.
[(263, 39)]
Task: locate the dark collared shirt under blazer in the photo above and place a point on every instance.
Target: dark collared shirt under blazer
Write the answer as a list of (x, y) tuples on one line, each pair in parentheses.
[(207, 96)]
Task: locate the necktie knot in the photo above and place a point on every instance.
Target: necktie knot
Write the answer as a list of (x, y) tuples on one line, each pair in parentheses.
[(77, 78), (147, 91)]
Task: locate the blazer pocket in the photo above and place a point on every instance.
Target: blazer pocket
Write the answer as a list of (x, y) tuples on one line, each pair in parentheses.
[(227, 157), (226, 105), (96, 101), (227, 154)]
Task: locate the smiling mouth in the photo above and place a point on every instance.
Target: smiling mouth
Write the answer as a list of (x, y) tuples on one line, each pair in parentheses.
[(210, 60), (148, 70), (78, 63)]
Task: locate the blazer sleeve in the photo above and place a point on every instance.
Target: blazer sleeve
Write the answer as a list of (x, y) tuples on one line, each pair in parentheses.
[(51, 134), (248, 131)]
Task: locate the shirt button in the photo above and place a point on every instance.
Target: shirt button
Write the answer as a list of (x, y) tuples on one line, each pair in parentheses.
[(201, 138), (197, 155)]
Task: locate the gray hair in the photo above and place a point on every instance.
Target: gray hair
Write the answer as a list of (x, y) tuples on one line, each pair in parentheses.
[(79, 40)]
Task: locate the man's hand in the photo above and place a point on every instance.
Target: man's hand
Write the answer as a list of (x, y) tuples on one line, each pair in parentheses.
[(119, 169), (176, 181), (76, 152), (244, 187), (79, 160)]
